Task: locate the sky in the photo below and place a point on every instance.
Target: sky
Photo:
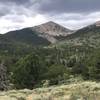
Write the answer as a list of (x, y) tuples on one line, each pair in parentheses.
[(73, 14)]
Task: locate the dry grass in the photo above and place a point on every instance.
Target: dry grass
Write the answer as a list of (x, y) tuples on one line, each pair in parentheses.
[(75, 91)]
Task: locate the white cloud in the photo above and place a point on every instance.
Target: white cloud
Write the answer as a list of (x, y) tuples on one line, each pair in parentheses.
[(20, 17), (76, 20), (9, 23)]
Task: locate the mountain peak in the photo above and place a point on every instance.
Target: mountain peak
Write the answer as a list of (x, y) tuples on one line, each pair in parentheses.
[(50, 22), (53, 29), (97, 23)]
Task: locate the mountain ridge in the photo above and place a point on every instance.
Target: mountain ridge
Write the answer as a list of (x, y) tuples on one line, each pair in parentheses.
[(48, 31), (53, 29)]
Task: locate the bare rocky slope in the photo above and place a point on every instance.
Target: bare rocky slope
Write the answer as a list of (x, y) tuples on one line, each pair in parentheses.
[(51, 30)]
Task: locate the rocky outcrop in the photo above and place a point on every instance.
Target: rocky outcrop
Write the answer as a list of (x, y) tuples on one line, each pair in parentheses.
[(52, 29)]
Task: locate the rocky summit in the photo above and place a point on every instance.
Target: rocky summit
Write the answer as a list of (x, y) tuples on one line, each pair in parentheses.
[(53, 29)]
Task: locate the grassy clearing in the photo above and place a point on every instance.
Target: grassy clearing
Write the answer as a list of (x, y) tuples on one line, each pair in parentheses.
[(75, 91)]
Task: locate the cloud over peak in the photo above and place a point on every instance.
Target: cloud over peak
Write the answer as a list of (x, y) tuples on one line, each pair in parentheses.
[(74, 14)]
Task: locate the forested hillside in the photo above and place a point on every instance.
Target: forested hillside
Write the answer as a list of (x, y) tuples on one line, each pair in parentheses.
[(31, 66)]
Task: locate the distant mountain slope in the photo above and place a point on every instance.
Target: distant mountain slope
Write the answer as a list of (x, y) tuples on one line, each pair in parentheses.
[(21, 42), (39, 35), (30, 37), (88, 37), (52, 31), (25, 36), (87, 31)]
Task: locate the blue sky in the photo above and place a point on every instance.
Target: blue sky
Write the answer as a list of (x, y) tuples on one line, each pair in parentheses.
[(73, 14)]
